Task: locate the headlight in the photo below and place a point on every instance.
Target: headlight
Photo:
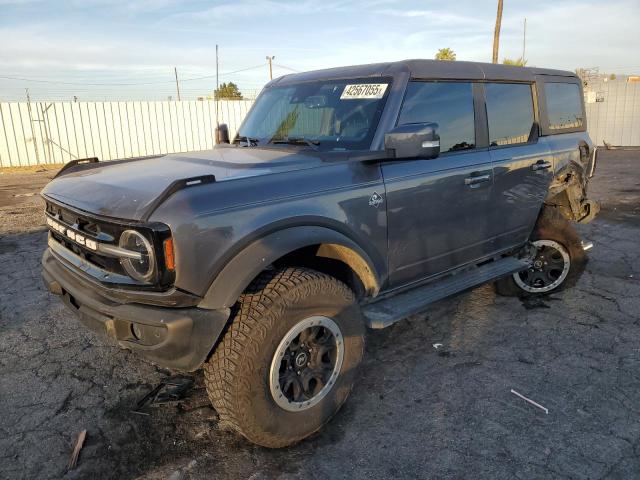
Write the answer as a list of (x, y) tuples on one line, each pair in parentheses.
[(142, 269)]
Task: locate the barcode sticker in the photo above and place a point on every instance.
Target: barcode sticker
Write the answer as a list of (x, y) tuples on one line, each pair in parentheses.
[(363, 90)]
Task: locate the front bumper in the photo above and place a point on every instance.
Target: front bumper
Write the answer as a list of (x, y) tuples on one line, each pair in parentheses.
[(177, 338)]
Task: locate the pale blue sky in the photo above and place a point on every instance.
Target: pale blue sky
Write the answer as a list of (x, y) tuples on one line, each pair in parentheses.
[(140, 41)]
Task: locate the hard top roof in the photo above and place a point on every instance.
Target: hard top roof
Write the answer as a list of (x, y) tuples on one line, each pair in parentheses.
[(426, 69)]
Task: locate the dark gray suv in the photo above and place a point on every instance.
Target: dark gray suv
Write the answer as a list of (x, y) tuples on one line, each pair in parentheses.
[(350, 198)]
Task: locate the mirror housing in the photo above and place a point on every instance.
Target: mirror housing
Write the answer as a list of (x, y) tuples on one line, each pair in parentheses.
[(414, 140), (222, 133)]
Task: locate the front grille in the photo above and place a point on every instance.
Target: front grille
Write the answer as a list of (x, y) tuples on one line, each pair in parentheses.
[(107, 232), (100, 231)]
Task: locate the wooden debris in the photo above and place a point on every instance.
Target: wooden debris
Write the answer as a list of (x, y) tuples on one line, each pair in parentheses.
[(76, 450)]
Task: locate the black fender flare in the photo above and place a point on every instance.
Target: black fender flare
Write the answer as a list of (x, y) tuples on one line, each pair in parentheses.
[(238, 273)]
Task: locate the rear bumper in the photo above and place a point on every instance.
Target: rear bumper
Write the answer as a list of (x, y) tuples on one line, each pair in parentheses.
[(178, 338)]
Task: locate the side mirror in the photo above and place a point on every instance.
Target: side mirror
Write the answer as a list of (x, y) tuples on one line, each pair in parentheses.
[(222, 133), (414, 140)]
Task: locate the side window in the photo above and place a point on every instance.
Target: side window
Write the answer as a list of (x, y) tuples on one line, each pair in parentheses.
[(564, 105), (510, 113), (449, 104)]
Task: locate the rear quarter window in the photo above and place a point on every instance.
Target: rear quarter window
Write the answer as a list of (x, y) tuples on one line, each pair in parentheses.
[(564, 105)]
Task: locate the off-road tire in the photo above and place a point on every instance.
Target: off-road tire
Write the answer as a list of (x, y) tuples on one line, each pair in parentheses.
[(238, 373), (551, 225)]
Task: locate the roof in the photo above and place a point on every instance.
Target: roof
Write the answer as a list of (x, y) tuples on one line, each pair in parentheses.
[(427, 69)]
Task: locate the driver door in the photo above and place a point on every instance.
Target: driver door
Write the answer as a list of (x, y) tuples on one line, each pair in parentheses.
[(438, 209)]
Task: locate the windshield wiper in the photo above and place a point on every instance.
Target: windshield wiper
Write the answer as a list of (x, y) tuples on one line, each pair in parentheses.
[(251, 142), (297, 141)]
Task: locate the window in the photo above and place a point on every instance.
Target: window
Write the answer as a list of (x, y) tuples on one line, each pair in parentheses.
[(449, 104), (564, 105), (331, 114), (510, 113)]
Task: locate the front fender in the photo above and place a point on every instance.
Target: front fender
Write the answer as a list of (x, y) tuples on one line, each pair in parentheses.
[(238, 273)]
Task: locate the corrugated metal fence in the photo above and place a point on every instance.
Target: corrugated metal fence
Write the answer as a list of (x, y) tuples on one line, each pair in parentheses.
[(33, 133), (613, 111)]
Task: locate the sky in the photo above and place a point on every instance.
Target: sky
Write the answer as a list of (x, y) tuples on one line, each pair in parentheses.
[(127, 49)]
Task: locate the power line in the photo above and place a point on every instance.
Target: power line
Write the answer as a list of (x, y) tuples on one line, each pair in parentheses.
[(117, 84), (287, 68)]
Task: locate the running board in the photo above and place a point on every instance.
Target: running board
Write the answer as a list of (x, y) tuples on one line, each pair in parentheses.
[(387, 311)]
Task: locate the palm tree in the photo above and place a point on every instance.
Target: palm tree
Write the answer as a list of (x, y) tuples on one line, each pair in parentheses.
[(518, 62), (446, 54)]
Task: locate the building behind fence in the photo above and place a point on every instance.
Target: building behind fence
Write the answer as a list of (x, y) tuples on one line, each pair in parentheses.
[(33, 133)]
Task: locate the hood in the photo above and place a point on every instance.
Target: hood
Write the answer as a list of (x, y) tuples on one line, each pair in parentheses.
[(127, 189)]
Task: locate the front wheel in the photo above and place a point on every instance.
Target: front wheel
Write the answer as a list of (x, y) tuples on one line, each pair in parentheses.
[(558, 262), (287, 362)]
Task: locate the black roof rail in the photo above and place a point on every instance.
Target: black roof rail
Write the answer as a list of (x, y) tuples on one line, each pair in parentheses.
[(175, 187)]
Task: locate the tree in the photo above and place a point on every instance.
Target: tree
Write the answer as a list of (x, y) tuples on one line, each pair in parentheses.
[(446, 54), (518, 62), (227, 91)]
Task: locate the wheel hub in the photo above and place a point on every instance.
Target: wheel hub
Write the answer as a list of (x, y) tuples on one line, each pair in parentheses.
[(306, 363), (548, 269), (301, 359)]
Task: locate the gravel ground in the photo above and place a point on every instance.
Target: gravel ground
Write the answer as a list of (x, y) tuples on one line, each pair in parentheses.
[(417, 411)]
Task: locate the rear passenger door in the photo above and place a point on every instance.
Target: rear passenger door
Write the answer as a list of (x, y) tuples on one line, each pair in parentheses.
[(522, 163), (437, 209)]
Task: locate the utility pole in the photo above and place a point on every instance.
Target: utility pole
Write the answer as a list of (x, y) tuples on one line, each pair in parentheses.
[(270, 60), (496, 33), (216, 94), (524, 40), (177, 84)]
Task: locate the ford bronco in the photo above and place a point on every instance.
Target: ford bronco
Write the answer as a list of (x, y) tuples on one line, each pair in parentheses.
[(349, 198)]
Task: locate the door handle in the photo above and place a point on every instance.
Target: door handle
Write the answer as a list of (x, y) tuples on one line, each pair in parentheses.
[(540, 165), (476, 180)]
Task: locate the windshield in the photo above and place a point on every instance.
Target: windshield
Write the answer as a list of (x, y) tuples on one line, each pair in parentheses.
[(324, 115)]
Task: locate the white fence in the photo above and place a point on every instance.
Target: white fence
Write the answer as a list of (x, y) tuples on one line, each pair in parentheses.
[(33, 133), (613, 112)]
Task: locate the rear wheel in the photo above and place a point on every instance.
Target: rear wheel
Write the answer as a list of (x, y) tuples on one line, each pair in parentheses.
[(287, 362), (558, 262), (549, 268)]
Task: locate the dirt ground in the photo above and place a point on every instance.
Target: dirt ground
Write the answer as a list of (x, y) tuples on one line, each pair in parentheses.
[(417, 411)]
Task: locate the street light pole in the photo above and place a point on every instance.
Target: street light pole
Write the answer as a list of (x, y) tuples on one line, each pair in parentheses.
[(270, 60)]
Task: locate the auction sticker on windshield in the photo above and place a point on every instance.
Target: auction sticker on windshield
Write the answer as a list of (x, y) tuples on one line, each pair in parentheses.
[(363, 90)]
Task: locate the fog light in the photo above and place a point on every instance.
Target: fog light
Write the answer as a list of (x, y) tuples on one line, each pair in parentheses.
[(146, 334)]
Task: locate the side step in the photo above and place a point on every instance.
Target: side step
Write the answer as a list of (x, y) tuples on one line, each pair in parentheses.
[(388, 310)]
